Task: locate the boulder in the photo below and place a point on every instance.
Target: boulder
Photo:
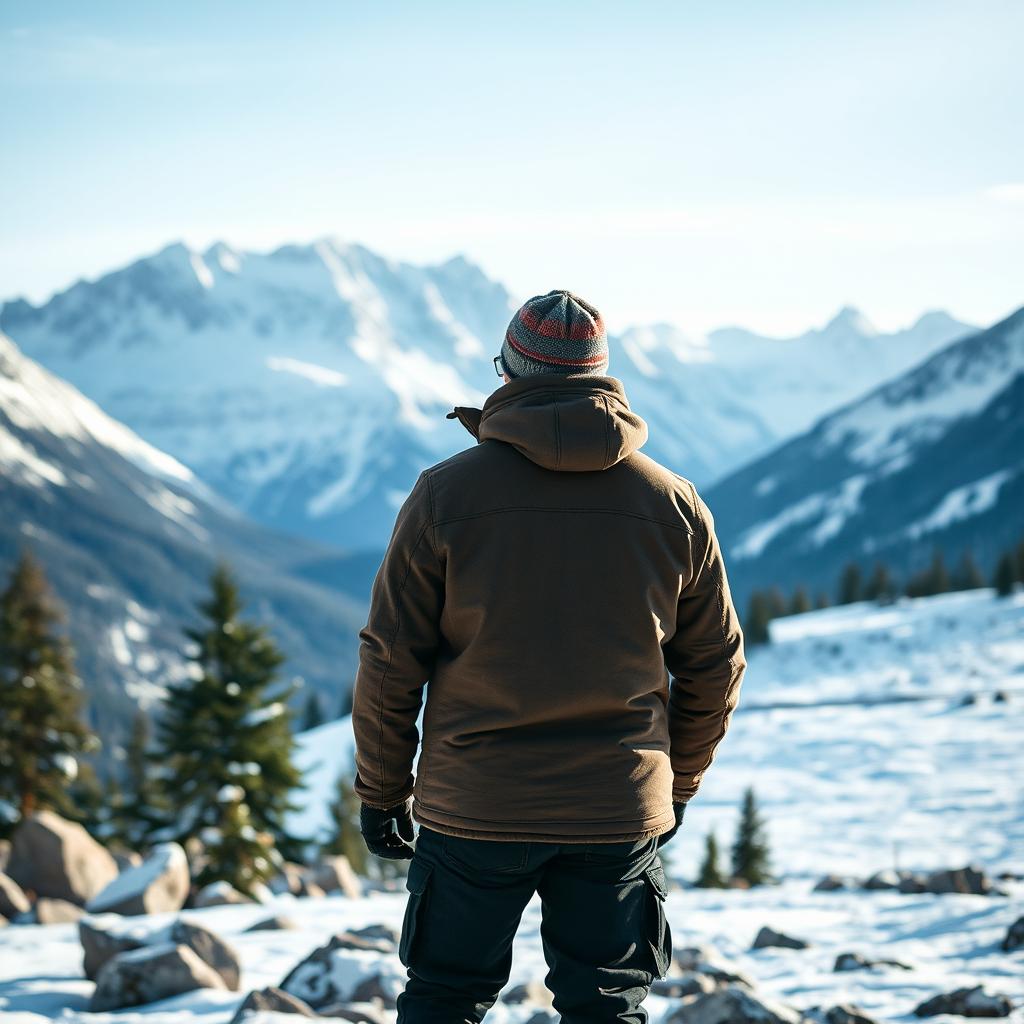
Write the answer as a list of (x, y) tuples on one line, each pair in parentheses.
[(707, 961), (857, 962), (336, 974), (158, 885), (101, 941), (378, 931), (271, 1000), (126, 859), (13, 900), (847, 1015), (965, 1002), (58, 859), (769, 937), (51, 911), (1001, 696), (219, 894), (969, 879), (912, 883), (360, 1013), (146, 975), (383, 987), (290, 879), (733, 1006), (350, 940), (1014, 938), (830, 883), (693, 983), (277, 923), (886, 879), (211, 949), (335, 874), (533, 991)]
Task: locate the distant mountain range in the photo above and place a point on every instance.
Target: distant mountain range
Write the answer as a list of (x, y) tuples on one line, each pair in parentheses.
[(308, 386), (933, 459), (128, 537)]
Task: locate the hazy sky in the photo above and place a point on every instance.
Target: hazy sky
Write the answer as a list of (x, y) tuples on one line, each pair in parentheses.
[(706, 164)]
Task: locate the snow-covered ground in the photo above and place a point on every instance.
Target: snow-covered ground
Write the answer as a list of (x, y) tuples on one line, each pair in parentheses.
[(849, 787)]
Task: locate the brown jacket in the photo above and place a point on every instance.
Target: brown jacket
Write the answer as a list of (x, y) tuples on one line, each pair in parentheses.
[(566, 598)]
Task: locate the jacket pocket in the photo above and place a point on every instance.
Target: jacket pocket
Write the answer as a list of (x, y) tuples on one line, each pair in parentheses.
[(416, 882), (659, 935)]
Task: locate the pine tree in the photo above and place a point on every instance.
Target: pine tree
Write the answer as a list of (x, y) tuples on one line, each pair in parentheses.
[(1005, 576), (313, 713), (347, 838), (755, 629), (236, 851), (710, 876), (938, 576), (750, 858), (879, 586), (850, 585), (1018, 560), (137, 804), (821, 601), (224, 726), (967, 575), (776, 603), (41, 730), (800, 602)]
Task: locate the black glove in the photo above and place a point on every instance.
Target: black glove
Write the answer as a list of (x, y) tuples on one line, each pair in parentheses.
[(680, 810), (385, 832)]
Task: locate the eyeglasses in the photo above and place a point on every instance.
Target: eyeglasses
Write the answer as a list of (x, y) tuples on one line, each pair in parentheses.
[(499, 366)]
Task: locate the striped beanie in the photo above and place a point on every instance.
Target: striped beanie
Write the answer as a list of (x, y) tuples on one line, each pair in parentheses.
[(555, 333)]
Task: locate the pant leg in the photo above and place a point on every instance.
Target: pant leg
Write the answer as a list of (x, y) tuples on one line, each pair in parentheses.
[(466, 899), (604, 930)]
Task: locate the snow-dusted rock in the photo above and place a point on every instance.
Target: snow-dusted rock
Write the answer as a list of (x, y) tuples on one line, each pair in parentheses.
[(733, 1006), (335, 874), (709, 962), (692, 983), (102, 939), (357, 1013), (154, 972), (335, 973), (277, 923), (769, 937), (1014, 938), (966, 1002), (158, 885), (353, 940), (59, 859), (384, 988), (270, 1000), (289, 879), (884, 879), (857, 962), (53, 911), (13, 900), (533, 991), (219, 894), (912, 883), (211, 949), (831, 883), (969, 879), (847, 1015)]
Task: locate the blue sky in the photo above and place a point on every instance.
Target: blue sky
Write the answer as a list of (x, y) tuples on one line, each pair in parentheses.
[(705, 164)]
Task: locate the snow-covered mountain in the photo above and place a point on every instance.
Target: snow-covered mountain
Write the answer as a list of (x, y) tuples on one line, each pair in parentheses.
[(933, 459), (308, 385), (128, 537)]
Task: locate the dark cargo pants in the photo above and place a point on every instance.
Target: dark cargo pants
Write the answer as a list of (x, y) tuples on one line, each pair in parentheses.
[(604, 930)]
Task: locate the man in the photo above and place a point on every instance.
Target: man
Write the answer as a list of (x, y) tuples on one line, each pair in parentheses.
[(566, 598)]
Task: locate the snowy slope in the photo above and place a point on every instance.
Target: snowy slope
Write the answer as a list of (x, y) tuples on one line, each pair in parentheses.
[(309, 385), (844, 788), (128, 536), (932, 459)]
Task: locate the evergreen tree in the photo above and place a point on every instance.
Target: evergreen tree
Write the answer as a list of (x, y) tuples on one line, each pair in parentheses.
[(850, 585), (236, 851), (347, 838), (710, 876), (1018, 559), (750, 858), (1005, 576), (225, 726), (776, 603), (313, 713), (938, 575), (41, 730), (879, 586), (136, 801), (755, 629), (821, 601), (967, 575), (800, 602)]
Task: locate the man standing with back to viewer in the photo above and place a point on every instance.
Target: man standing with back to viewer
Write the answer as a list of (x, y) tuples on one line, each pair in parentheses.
[(565, 597)]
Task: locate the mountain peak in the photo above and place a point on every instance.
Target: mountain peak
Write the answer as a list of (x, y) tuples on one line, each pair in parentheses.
[(849, 318)]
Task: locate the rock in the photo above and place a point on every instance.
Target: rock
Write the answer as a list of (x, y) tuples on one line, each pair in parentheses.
[(769, 937), (350, 940), (102, 941), (912, 883), (361, 1013), (211, 949), (534, 991), (693, 983), (145, 975), (857, 962), (965, 1002), (542, 1017), (384, 988), (847, 1015), (58, 859), (968, 699), (277, 923), (1014, 938), (830, 883), (3, 921), (886, 879), (158, 885), (337, 974), (335, 874), (965, 880), (1001, 697), (51, 911), (126, 859), (5, 853), (219, 894), (271, 1000), (707, 961), (378, 931), (289, 879), (13, 900), (732, 1006), (311, 890)]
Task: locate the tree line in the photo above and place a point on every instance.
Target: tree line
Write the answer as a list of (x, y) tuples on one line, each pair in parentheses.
[(883, 586)]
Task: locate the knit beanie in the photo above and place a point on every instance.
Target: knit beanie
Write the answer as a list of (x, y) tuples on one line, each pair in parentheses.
[(555, 333)]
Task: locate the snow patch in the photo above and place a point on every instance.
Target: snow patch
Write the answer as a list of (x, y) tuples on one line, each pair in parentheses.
[(962, 503), (319, 375)]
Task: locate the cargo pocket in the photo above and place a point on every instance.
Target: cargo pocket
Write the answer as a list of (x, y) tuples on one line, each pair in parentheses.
[(416, 882), (659, 935)]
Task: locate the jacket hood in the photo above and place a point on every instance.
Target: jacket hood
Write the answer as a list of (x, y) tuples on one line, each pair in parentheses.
[(571, 422)]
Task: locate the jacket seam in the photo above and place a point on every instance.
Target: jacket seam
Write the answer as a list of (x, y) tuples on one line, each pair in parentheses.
[(391, 652), (607, 431), (433, 525), (548, 508)]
